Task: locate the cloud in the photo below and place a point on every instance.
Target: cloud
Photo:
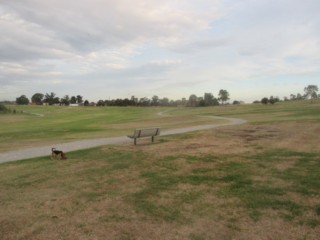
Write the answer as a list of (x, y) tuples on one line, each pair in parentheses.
[(93, 25), (135, 45)]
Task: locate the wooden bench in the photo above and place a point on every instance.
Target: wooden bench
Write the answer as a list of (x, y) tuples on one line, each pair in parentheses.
[(145, 132)]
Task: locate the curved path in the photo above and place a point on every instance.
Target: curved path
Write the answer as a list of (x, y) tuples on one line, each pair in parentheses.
[(90, 143)]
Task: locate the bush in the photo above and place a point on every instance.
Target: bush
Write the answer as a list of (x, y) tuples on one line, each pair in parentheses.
[(3, 108), (264, 100)]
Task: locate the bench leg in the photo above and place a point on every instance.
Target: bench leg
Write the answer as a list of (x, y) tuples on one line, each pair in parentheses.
[(135, 141), (152, 138)]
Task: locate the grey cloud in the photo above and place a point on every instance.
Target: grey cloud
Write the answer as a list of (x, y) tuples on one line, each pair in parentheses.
[(149, 72), (91, 25), (201, 45)]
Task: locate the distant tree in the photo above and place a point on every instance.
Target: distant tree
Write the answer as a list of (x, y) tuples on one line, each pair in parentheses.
[(65, 100), (311, 91), (235, 102), (123, 102), (293, 97), (256, 101), (86, 103), (79, 99), (3, 108), (165, 102), (272, 100), (73, 100), (155, 100), (264, 100), (201, 102), (193, 100), (100, 103), (37, 98), (184, 101), (299, 96), (144, 101), (134, 101), (51, 98), (223, 96), (22, 100), (208, 99)]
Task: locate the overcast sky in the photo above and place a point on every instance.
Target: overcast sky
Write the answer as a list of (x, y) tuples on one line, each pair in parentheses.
[(105, 49)]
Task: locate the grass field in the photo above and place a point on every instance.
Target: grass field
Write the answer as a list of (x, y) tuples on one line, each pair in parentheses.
[(65, 124), (260, 180)]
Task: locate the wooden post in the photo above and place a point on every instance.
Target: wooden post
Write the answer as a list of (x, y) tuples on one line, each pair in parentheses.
[(135, 141)]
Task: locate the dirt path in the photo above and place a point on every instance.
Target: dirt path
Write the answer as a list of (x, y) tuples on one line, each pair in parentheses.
[(90, 143)]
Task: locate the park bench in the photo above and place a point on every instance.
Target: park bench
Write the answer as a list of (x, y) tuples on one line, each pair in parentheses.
[(145, 132)]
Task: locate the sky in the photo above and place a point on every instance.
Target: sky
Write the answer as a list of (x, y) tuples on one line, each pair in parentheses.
[(103, 49)]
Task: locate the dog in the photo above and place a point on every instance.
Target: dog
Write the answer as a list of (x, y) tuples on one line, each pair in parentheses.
[(57, 154)]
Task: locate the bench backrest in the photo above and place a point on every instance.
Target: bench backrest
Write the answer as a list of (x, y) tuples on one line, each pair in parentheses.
[(146, 132)]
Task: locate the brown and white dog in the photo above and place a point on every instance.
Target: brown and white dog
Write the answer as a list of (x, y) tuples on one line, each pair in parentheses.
[(56, 154)]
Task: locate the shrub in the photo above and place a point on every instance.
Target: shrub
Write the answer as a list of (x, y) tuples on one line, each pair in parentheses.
[(3, 108)]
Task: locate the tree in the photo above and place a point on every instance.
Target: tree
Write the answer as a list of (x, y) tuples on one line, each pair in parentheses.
[(183, 101), (22, 100), (223, 96), (299, 97), (73, 100), (193, 100), (273, 99), (293, 97), (100, 103), (79, 99), (134, 100), (155, 100), (144, 101), (65, 100), (51, 98), (37, 98), (164, 101), (3, 108), (311, 91), (86, 103), (208, 99), (264, 100)]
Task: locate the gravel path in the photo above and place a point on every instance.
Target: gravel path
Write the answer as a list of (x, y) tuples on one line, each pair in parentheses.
[(90, 143)]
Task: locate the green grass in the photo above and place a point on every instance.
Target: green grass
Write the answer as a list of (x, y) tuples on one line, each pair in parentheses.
[(65, 124)]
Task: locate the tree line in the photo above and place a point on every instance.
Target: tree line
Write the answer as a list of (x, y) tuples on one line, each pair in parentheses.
[(310, 92), (193, 101), (50, 99), (208, 99)]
